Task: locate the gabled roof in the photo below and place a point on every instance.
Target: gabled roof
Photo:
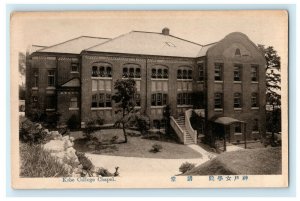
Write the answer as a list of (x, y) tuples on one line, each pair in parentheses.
[(74, 46), (149, 43), (204, 49), (74, 82), (35, 48)]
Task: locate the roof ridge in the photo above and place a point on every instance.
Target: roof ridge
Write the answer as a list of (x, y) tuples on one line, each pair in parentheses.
[(46, 47), (169, 35), (107, 41), (210, 43), (59, 43), (94, 37), (187, 40)]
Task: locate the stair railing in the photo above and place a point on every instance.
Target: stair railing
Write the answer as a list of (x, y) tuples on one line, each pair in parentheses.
[(189, 128), (178, 130)]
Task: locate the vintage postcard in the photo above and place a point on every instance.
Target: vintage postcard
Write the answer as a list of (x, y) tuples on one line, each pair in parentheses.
[(149, 99)]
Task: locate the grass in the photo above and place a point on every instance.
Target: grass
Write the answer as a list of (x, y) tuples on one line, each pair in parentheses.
[(264, 161), (137, 146), (36, 162)]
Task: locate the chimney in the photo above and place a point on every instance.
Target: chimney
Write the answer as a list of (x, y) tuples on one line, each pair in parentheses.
[(165, 31)]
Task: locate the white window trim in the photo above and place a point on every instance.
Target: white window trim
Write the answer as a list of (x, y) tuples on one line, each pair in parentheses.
[(218, 109), (34, 88), (50, 88), (50, 109), (254, 82), (254, 108), (73, 108), (101, 78), (101, 108), (238, 133), (219, 81), (74, 72), (237, 108), (237, 82), (183, 106)]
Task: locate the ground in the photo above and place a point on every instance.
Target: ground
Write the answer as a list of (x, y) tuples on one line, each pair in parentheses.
[(137, 146), (261, 161), (134, 157)]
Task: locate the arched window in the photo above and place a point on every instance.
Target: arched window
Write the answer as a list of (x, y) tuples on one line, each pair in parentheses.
[(131, 71), (101, 69), (159, 72), (184, 72), (237, 52)]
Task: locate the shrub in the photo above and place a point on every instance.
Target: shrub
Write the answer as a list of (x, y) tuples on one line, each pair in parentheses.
[(36, 162), (30, 132), (142, 123), (186, 167), (104, 172), (156, 148), (73, 122), (84, 161)]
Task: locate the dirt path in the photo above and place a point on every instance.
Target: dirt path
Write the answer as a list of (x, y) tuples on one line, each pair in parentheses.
[(129, 166)]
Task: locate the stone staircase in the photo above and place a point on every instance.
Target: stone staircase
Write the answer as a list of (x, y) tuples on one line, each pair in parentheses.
[(181, 122)]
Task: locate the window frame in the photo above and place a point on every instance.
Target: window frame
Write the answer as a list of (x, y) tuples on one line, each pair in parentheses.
[(256, 67), (237, 72), (218, 95), (51, 78), (219, 77), (237, 100)]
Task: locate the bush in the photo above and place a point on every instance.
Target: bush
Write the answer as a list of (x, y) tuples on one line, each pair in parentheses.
[(186, 167), (36, 162), (84, 161), (142, 123), (73, 122), (30, 132), (104, 172), (156, 148)]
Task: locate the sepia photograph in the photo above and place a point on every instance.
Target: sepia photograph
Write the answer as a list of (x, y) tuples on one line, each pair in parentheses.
[(149, 99)]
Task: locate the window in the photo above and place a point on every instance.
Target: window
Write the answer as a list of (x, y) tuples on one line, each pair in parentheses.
[(94, 100), (237, 100), (138, 99), (218, 71), (237, 52), (254, 100), (184, 99), (238, 127), (159, 99), (73, 102), (237, 72), (51, 78), (254, 75), (201, 72), (218, 101), (102, 70), (74, 67), (255, 125), (34, 102), (101, 100), (131, 71), (184, 72), (108, 100), (50, 102), (159, 72), (94, 71), (35, 78)]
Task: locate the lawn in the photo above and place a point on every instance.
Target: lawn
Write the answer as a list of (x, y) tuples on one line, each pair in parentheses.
[(137, 146), (263, 161)]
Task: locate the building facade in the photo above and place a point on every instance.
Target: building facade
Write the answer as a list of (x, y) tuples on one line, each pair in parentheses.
[(223, 82)]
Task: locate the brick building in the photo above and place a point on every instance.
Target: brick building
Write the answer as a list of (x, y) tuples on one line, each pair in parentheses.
[(223, 82)]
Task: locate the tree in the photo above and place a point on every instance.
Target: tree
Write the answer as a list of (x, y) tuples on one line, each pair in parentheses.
[(273, 96), (167, 118), (124, 97)]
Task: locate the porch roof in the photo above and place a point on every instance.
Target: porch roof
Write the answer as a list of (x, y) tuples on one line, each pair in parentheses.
[(226, 120)]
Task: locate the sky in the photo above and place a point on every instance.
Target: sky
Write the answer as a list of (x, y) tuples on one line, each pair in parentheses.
[(262, 27)]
